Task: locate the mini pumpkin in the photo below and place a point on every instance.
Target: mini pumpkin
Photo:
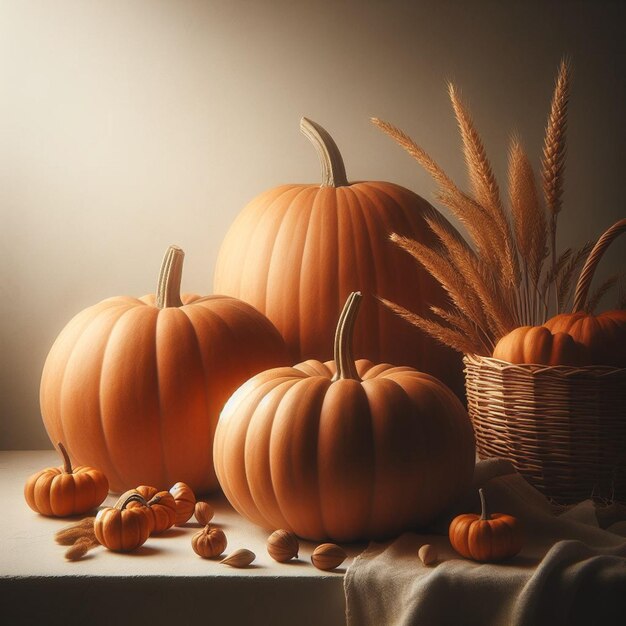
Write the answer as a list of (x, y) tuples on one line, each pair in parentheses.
[(162, 507), (67, 490), (486, 537), (344, 450), (209, 542), (136, 386), (185, 502), (122, 528)]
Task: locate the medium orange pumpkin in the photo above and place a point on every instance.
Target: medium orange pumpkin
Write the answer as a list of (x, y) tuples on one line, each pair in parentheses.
[(296, 251), (536, 344), (486, 537), (63, 491), (135, 386), (343, 450)]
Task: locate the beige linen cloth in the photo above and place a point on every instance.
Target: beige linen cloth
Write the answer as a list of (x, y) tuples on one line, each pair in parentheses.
[(572, 569)]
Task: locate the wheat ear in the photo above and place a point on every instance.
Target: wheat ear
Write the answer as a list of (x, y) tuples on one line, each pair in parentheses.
[(553, 161)]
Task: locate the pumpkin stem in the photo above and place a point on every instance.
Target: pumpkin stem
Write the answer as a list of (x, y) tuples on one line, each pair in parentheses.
[(127, 497), (333, 169), (168, 287), (484, 512), (344, 361), (67, 464)]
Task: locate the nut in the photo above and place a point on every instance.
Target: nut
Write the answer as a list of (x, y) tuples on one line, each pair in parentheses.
[(282, 545), (428, 554), (328, 556), (239, 558)]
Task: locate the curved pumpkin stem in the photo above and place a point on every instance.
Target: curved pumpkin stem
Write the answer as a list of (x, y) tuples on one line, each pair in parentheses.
[(344, 360), (67, 464), (127, 497), (168, 287), (333, 169), (484, 511)]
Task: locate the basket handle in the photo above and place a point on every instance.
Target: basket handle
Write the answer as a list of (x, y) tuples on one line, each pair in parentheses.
[(586, 274)]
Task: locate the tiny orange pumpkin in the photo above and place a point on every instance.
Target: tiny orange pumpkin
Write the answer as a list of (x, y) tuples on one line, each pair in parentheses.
[(162, 507), (67, 490), (122, 528), (185, 502), (486, 537)]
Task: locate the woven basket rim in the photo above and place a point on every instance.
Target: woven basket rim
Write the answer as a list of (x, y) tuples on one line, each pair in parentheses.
[(533, 368)]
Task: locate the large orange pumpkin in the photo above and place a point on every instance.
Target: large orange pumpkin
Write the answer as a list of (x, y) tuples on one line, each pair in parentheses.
[(343, 450), (135, 386), (297, 251)]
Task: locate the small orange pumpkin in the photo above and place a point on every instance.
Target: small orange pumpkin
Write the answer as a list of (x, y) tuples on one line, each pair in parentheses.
[(603, 335), (343, 449), (63, 491), (209, 542), (486, 537), (538, 345), (185, 502), (122, 528), (162, 506)]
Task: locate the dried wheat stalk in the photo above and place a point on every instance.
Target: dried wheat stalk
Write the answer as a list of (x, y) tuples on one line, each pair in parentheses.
[(497, 279)]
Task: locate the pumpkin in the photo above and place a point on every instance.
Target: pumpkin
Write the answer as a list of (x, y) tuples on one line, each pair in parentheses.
[(185, 502), (296, 251), (538, 345), (122, 528), (344, 450), (162, 507), (67, 490), (486, 537), (135, 386), (209, 542), (603, 336)]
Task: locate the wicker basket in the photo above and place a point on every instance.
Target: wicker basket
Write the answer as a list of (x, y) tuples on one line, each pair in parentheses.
[(564, 428)]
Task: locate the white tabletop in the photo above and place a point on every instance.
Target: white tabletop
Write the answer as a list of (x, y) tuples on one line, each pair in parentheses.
[(161, 580)]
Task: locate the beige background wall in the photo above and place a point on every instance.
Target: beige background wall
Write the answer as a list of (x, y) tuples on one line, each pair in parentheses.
[(129, 125)]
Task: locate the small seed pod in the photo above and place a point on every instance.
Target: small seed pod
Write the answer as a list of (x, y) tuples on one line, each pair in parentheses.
[(239, 558), (203, 512), (427, 554), (209, 542), (282, 546), (328, 556)]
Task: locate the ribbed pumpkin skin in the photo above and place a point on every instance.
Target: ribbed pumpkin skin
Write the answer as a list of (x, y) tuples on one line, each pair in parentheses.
[(537, 345), (604, 335), (343, 460), (136, 390), (296, 252), (56, 493)]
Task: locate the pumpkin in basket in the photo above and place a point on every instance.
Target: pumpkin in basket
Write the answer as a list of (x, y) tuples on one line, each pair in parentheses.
[(135, 386), (536, 344), (344, 450), (603, 335), (296, 251)]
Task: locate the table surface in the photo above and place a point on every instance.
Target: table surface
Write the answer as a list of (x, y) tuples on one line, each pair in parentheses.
[(165, 570)]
